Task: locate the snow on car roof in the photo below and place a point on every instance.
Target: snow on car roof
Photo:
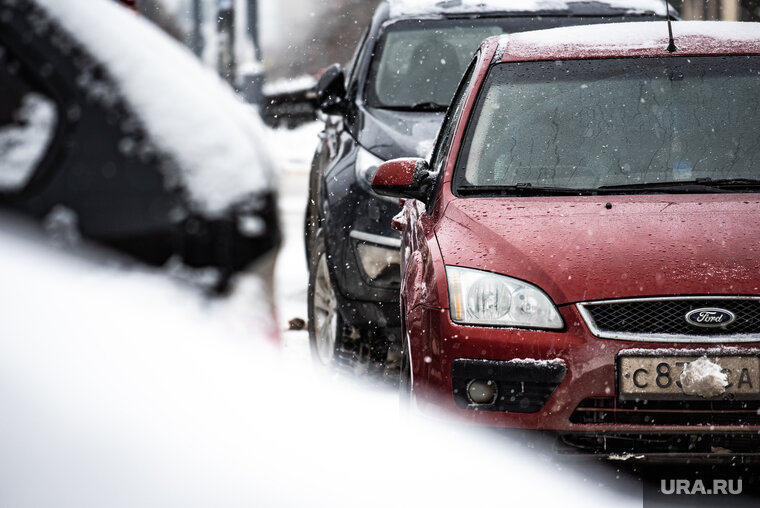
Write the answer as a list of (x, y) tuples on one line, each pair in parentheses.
[(633, 39), (189, 112), (400, 8)]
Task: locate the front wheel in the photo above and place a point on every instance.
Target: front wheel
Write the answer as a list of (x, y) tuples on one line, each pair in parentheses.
[(363, 351), (325, 323), (333, 344)]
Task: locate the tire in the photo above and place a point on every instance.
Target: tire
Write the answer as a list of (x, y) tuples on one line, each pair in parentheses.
[(325, 323), (336, 345), (311, 217), (333, 344), (309, 225)]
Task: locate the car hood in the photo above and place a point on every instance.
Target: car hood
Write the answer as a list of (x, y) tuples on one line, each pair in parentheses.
[(393, 134), (576, 249)]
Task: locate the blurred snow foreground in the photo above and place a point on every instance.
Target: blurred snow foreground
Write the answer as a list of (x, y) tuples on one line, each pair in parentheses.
[(120, 387)]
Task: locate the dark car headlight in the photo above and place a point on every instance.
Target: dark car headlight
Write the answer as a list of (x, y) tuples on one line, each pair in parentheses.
[(379, 258), (378, 261), (482, 298)]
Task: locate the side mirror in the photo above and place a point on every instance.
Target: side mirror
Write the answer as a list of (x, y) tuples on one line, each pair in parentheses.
[(331, 90), (403, 178)]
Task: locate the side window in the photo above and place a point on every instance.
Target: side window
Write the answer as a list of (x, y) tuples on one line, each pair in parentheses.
[(446, 134), (449, 127), (28, 119)]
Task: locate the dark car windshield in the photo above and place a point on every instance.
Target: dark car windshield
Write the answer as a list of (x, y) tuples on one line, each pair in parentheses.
[(620, 125), (418, 63)]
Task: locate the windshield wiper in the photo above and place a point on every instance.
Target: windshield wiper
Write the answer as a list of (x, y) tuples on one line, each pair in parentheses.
[(665, 187), (731, 183), (700, 185), (521, 189), (420, 106), (690, 186)]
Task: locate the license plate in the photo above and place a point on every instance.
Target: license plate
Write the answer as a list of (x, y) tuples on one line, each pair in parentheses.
[(659, 377)]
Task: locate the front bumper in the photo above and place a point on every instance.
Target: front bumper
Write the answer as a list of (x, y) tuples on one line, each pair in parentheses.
[(696, 448), (437, 346)]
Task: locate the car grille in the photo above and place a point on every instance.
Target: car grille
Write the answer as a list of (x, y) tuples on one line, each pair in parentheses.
[(698, 412), (664, 320)]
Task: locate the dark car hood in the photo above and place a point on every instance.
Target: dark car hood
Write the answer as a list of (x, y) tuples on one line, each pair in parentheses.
[(578, 250), (393, 134)]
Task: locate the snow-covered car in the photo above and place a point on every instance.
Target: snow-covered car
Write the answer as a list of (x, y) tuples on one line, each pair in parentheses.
[(111, 131), (389, 104), (580, 253)]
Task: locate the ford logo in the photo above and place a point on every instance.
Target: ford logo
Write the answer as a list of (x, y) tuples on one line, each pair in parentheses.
[(710, 318)]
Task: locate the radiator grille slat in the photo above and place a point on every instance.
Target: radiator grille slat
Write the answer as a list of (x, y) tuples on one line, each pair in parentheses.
[(716, 413)]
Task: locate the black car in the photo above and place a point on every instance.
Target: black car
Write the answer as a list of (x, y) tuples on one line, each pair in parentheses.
[(102, 132), (391, 103)]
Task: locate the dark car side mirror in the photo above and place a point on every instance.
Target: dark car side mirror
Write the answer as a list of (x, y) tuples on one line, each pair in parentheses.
[(403, 178), (331, 90)]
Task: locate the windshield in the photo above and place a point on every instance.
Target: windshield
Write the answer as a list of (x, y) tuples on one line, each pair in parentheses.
[(418, 64), (601, 124)]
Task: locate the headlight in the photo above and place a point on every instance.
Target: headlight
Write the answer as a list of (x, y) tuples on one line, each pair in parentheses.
[(379, 262), (483, 298), (366, 166)]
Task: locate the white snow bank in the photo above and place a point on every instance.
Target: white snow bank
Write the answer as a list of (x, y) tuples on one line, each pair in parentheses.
[(187, 109), (704, 378), (23, 144), (119, 388), (421, 7), (288, 85), (639, 35), (293, 149), (540, 363)]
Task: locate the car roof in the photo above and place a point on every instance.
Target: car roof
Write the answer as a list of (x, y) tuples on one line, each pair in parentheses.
[(640, 39), (434, 8)]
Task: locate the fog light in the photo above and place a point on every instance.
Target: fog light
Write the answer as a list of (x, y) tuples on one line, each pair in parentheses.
[(480, 391)]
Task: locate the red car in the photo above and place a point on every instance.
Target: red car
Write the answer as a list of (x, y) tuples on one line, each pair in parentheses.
[(580, 254)]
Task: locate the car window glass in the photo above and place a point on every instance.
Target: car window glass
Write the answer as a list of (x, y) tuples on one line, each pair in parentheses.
[(418, 63), (28, 119), (452, 119), (593, 123), (423, 63)]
